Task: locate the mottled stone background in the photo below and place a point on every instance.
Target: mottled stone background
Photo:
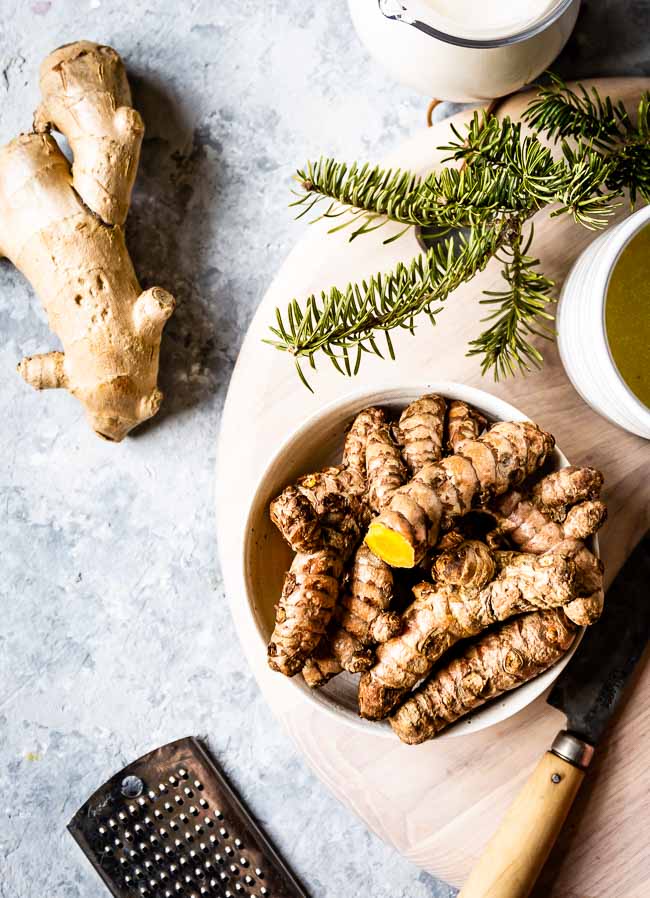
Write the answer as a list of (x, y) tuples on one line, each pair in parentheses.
[(114, 631)]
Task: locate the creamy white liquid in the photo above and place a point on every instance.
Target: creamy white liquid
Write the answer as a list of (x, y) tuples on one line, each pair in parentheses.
[(481, 19)]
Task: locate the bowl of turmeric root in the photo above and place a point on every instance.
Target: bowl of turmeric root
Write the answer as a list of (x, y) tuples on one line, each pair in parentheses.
[(422, 560)]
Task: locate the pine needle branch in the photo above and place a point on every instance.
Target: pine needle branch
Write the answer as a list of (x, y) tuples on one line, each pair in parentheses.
[(343, 323), (506, 177), (520, 310)]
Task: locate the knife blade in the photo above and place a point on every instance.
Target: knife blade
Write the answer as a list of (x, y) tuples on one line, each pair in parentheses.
[(591, 686)]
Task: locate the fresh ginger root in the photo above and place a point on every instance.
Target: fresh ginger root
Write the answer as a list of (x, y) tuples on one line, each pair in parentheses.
[(62, 229), (444, 613), (443, 491), (547, 520), (512, 654)]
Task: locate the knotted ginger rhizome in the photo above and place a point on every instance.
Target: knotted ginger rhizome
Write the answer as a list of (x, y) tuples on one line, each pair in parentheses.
[(62, 226)]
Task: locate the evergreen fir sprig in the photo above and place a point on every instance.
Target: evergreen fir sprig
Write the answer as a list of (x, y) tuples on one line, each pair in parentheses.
[(520, 311), (483, 205), (583, 116), (559, 112), (345, 324)]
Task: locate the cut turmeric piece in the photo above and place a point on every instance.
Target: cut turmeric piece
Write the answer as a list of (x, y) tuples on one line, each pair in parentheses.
[(389, 545)]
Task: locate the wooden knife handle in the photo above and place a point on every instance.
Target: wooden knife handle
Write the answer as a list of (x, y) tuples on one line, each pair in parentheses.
[(516, 853)]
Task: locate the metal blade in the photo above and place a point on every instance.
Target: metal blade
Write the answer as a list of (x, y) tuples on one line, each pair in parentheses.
[(590, 688)]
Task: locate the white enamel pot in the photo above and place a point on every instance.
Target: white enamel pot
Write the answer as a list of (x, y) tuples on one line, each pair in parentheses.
[(266, 557), (450, 67), (582, 338)]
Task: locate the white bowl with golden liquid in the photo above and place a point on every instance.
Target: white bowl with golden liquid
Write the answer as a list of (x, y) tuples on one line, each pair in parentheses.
[(266, 557), (608, 358)]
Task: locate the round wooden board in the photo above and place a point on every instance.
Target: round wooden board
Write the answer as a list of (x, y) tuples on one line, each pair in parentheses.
[(438, 803)]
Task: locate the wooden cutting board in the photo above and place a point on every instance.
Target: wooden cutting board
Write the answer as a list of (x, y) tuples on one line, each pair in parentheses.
[(438, 803)]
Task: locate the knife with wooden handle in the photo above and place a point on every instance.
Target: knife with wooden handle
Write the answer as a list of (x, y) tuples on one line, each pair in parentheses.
[(588, 691)]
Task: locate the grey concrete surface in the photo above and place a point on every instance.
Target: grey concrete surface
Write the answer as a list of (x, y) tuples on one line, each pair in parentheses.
[(114, 632)]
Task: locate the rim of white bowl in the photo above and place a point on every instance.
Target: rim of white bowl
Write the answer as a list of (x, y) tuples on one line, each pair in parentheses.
[(511, 702)]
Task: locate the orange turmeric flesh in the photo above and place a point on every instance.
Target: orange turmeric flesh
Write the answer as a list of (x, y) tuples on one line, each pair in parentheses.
[(392, 547)]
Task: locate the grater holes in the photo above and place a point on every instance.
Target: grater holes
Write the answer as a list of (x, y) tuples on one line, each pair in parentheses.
[(218, 814), (203, 803), (229, 851), (188, 792), (198, 785), (182, 773), (178, 800), (194, 811)]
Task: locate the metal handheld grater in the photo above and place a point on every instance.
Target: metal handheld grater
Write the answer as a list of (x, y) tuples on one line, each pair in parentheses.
[(170, 826)]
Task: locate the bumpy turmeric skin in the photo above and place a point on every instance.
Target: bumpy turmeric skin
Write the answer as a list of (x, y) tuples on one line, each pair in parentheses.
[(512, 654), (421, 431), (442, 492), (305, 609), (545, 519), (442, 614)]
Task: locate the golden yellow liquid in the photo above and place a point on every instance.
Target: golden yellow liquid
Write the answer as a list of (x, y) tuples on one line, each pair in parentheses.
[(627, 315)]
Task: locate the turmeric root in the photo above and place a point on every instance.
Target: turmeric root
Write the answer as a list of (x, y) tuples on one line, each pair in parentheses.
[(443, 491), (501, 660), (356, 440), (361, 620), (321, 516), (470, 564), (326, 507), (464, 423), (62, 229), (443, 614), (421, 428), (308, 598), (543, 522), (385, 469)]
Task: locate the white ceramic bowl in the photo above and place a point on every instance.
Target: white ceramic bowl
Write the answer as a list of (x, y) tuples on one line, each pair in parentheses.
[(582, 338), (266, 557)]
